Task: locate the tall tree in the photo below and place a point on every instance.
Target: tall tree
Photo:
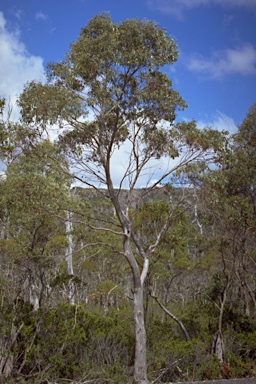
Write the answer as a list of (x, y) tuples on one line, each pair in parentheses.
[(112, 74)]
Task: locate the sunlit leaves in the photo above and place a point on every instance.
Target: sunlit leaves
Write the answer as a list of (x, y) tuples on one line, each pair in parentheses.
[(200, 139), (48, 104), (104, 44)]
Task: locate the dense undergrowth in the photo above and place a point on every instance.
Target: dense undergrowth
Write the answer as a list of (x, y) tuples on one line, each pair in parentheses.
[(71, 344)]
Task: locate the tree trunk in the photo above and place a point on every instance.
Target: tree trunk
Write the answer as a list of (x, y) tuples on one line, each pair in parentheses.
[(140, 363), (7, 344), (218, 346), (140, 359), (218, 343), (69, 260), (34, 297)]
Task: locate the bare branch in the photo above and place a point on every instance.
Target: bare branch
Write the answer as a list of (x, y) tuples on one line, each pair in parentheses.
[(179, 322)]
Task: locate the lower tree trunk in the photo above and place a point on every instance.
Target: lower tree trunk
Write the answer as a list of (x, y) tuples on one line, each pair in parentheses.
[(69, 260), (7, 344), (218, 346), (140, 359), (140, 362)]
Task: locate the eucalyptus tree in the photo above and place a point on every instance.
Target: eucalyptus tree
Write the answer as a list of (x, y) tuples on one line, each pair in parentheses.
[(240, 197), (32, 247), (33, 193), (116, 108), (228, 206)]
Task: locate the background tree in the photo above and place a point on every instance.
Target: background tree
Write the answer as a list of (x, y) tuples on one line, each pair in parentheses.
[(227, 209), (33, 193)]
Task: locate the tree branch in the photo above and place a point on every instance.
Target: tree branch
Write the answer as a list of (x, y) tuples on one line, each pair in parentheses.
[(179, 322)]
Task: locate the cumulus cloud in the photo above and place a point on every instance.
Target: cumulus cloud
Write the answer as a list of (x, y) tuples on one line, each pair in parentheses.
[(176, 7), (17, 65), (226, 62)]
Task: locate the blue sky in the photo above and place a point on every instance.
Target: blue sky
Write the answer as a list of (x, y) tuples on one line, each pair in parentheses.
[(216, 70)]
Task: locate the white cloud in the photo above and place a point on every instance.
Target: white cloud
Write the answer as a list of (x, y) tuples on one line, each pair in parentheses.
[(41, 16), (151, 173), (218, 121), (176, 7), (226, 62), (172, 4), (18, 13), (17, 65)]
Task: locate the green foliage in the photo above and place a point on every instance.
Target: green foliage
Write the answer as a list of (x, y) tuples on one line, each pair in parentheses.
[(71, 341), (210, 368), (42, 104), (150, 219), (34, 190)]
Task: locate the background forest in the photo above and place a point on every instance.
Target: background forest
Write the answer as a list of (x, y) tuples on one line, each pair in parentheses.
[(67, 293)]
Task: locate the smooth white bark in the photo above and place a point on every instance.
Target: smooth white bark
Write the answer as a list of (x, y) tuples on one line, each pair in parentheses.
[(69, 260)]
